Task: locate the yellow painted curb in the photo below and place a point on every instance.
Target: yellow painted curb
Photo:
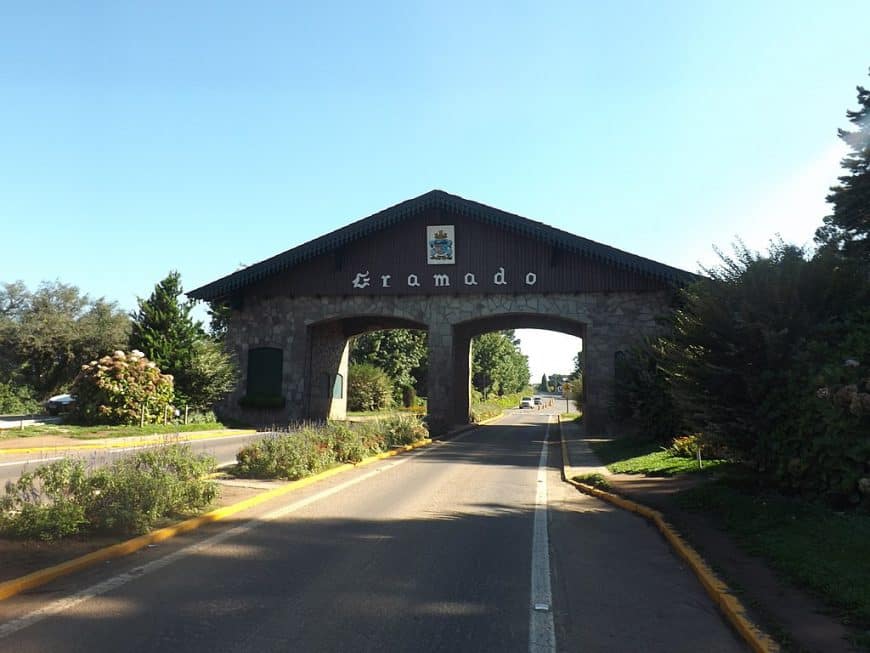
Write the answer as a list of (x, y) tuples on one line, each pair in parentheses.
[(117, 443), (730, 605), (37, 578)]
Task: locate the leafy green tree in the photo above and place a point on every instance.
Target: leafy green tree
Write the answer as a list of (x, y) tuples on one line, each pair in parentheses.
[(401, 353), (165, 331), (46, 335), (497, 365), (847, 229), (212, 374)]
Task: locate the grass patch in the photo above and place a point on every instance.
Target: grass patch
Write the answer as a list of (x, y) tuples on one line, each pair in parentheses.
[(595, 480), (825, 552), (571, 417), (644, 456), (101, 432)]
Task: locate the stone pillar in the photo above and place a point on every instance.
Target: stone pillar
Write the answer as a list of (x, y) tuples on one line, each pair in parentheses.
[(598, 376), (447, 384), (327, 357)]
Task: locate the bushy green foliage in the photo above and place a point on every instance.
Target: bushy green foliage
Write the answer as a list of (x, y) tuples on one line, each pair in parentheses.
[(758, 360), (62, 499), (818, 444), (46, 504), (17, 399), (642, 393), (401, 353), (498, 367), (289, 456), (368, 388), (120, 389), (47, 334), (310, 449), (166, 332), (400, 429), (138, 491)]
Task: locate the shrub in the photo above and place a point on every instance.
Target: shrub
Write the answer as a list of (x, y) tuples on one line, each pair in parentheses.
[(46, 504), (642, 393), (400, 430), (138, 491), (770, 354), (311, 449), (17, 399), (130, 496), (121, 389), (409, 396), (687, 446), (289, 456), (368, 388)]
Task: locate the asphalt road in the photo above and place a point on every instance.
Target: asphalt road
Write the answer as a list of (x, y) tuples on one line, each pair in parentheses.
[(443, 549), (222, 448)]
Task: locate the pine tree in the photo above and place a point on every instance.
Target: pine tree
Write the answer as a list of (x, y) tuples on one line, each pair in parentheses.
[(165, 332), (545, 385), (847, 229)]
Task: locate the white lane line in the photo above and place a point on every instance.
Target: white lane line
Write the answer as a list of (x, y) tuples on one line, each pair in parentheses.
[(542, 632), (61, 605)]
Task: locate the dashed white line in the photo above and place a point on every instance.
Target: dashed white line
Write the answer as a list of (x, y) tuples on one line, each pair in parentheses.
[(542, 632)]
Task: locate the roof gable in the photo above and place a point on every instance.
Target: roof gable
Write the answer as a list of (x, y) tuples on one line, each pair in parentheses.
[(437, 199)]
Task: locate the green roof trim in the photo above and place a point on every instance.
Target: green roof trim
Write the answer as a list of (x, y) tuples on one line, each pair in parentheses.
[(232, 283)]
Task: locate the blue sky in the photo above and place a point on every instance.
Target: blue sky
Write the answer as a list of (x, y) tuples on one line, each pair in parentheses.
[(198, 136)]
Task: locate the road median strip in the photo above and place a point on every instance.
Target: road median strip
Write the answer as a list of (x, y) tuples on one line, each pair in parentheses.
[(722, 595), (120, 443), (38, 578)]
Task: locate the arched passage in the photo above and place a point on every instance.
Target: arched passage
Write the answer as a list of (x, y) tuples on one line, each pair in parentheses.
[(327, 359), (460, 404)]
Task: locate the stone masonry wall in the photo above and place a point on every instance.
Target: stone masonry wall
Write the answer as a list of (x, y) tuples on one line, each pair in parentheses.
[(300, 325)]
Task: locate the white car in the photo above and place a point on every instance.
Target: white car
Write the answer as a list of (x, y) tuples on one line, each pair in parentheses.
[(59, 404), (526, 402)]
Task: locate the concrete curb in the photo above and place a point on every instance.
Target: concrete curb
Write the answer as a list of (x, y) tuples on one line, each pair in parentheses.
[(120, 443), (730, 605), (37, 578)]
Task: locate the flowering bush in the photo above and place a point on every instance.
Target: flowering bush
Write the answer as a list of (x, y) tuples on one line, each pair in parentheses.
[(121, 389)]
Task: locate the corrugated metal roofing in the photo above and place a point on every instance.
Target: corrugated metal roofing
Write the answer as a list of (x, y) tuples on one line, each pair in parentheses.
[(436, 199)]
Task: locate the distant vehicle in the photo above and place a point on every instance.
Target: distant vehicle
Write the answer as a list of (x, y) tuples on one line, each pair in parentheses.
[(526, 402), (59, 404), (537, 401)]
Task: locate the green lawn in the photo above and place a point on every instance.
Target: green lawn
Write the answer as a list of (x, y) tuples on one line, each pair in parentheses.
[(644, 456), (824, 551), (100, 432)]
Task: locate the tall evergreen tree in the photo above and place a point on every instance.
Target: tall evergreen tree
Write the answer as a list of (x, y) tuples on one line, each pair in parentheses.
[(165, 332), (545, 385), (847, 229)]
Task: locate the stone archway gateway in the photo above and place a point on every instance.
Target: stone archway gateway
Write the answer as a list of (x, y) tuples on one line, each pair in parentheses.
[(438, 262)]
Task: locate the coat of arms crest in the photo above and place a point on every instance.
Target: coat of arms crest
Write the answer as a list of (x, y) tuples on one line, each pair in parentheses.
[(440, 241)]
